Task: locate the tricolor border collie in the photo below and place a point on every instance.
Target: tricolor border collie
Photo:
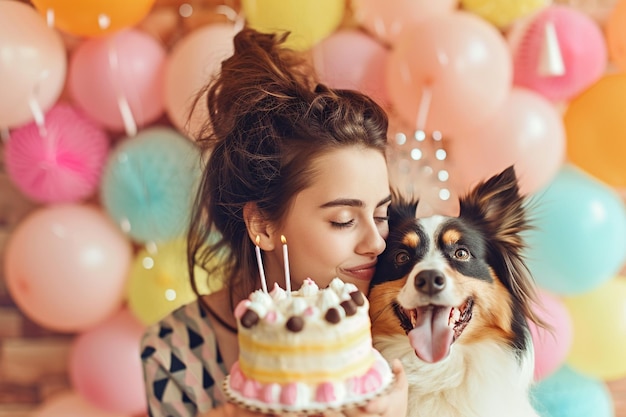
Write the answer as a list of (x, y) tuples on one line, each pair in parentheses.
[(451, 298)]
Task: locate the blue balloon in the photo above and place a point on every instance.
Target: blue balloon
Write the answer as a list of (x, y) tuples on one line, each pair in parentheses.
[(567, 393), (579, 240), (149, 183)]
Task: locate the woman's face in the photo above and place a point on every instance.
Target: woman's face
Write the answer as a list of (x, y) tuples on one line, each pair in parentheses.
[(337, 226)]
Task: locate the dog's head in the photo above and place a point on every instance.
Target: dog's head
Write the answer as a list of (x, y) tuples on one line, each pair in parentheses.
[(444, 280)]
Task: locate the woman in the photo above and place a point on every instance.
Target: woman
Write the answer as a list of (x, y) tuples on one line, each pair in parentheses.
[(288, 157)]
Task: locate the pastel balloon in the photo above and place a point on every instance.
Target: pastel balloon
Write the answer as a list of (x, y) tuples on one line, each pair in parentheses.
[(193, 61), (616, 33), (597, 10), (61, 163), (386, 19), (159, 281), (577, 62), (308, 21), (350, 59), (569, 393), (579, 236), (599, 326), (149, 182), (526, 131), (71, 404), (458, 60), (105, 365), (503, 12), (66, 267), (595, 128), (94, 17), (119, 76), (33, 64), (551, 344)]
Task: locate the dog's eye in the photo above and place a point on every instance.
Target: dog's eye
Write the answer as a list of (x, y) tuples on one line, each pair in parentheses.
[(462, 254), (402, 258)]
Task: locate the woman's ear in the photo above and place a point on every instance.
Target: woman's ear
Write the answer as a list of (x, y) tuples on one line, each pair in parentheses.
[(259, 229)]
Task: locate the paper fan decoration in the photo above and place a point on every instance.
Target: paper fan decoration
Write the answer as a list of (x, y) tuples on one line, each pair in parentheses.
[(149, 182), (558, 53), (59, 161)]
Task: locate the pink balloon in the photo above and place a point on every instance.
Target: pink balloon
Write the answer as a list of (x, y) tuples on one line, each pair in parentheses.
[(71, 404), (62, 164), (105, 365), (581, 48), (552, 345), (527, 131), (32, 66), (191, 64), (350, 59), (66, 267), (125, 67), (461, 60), (386, 19)]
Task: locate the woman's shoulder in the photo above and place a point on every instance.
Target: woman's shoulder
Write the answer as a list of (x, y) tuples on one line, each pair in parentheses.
[(187, 323)]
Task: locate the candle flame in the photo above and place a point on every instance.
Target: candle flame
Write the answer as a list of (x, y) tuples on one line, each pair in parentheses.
[(283, 239), (257, 240)]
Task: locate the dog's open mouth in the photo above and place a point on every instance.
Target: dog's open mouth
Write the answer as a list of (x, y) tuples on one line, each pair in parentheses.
[(432, 328)]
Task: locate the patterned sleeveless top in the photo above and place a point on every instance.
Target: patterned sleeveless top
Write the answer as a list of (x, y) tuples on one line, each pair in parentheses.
[(183, 368)]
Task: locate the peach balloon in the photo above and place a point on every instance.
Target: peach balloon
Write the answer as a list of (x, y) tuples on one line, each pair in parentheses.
[(66, 267), (32, 66), (386, 19), (351, 59), (190, 65), (616, 34), (461, 61), (125, 67), (527, 131), (94, 17), (595, 127), (71, 404), (105, 365)]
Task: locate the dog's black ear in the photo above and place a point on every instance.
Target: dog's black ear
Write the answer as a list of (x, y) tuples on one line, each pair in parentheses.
[(401, 209), (498, 205)]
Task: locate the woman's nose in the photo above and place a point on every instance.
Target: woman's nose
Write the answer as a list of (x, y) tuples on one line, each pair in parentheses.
[(372, 243)]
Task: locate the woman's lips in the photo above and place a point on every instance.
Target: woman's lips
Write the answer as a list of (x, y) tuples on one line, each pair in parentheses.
[(361, 272)]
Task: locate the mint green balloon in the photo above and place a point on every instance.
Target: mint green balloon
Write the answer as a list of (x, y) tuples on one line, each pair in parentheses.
[(579, 240)]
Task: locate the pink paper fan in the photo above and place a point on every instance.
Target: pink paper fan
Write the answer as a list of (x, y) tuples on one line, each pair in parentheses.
[(564, 36), (62, 164)]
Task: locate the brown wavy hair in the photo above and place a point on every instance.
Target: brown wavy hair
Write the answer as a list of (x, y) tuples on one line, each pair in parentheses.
[(268, 121)]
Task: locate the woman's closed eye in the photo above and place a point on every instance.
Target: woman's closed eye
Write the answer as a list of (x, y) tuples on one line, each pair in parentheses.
[(342, 225)]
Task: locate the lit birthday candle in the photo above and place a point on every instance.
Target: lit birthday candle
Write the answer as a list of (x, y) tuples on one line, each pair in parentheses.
[(259, 262), (286, 261)]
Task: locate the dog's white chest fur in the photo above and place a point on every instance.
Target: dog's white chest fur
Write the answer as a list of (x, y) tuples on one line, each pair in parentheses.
[(480, 380)]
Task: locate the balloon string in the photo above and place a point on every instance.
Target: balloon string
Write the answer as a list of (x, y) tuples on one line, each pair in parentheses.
[(50, 18), (237, 18), (122, 103), (424, 108), (38, 113)]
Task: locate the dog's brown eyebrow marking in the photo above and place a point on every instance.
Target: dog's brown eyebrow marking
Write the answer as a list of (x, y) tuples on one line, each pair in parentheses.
[(451, 236), (411, 239)]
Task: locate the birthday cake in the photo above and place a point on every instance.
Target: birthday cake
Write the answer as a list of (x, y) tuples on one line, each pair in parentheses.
[(306, 351)]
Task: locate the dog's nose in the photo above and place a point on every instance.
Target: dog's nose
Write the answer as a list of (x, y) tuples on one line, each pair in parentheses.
[(430, 281)]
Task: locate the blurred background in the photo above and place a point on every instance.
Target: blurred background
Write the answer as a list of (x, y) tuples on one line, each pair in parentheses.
[(98, 165)]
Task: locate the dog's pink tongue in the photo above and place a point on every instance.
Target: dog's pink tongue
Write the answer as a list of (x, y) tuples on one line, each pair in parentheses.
[(431, 338)]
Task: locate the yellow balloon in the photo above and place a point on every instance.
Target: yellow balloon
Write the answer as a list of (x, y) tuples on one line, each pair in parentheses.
[(599, 327), (503, 12), (309, 21), (159, 282), (93, 17)]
